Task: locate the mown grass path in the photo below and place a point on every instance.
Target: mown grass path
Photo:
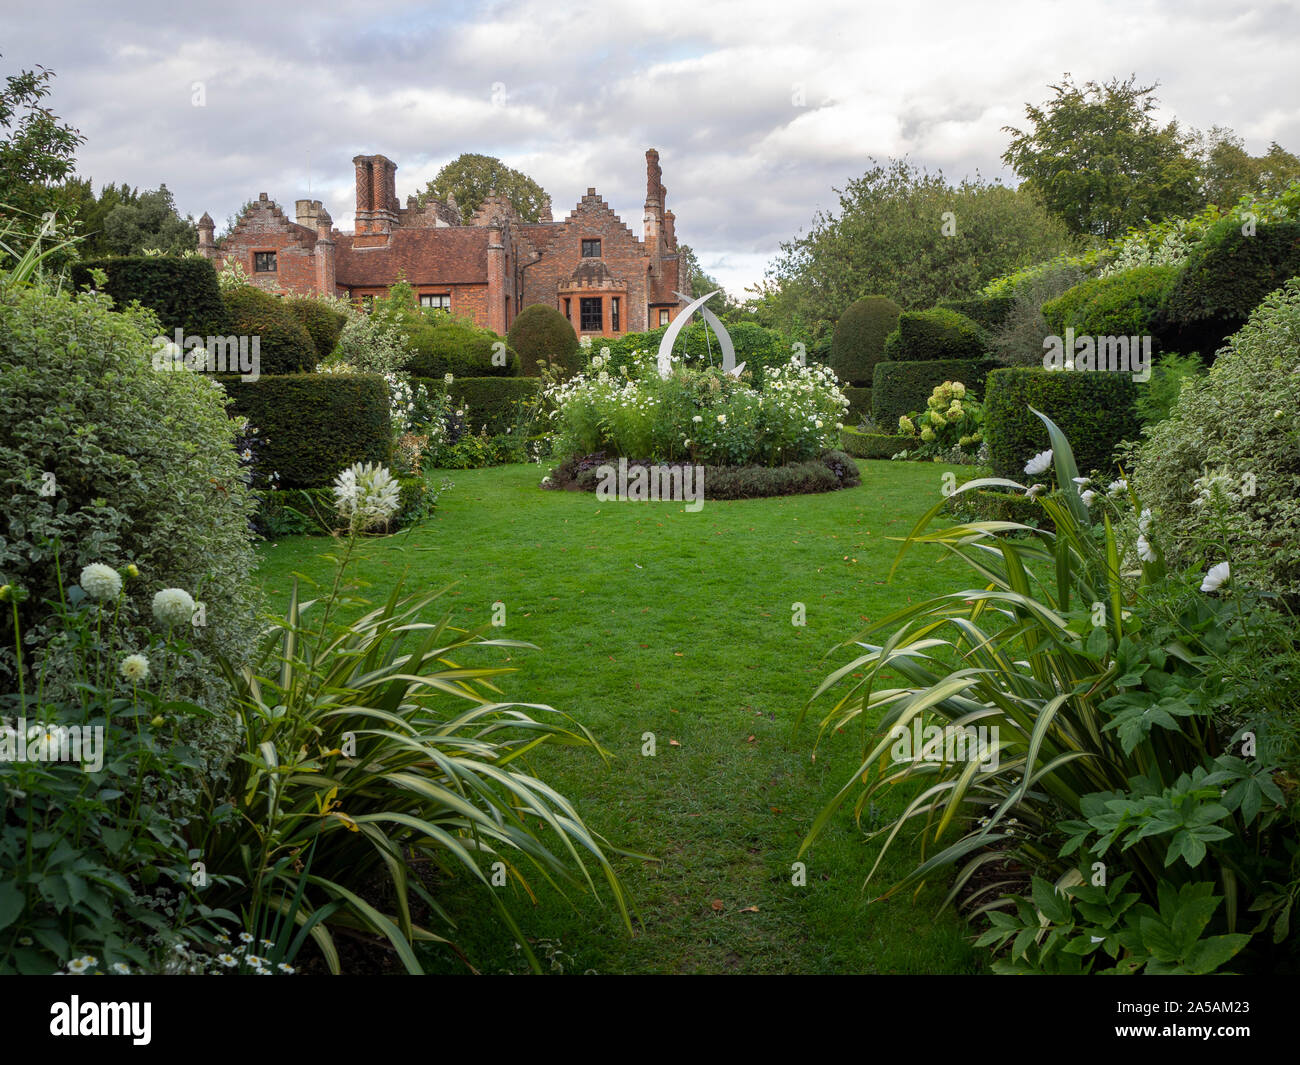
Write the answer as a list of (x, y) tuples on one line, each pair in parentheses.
[(650, 619)]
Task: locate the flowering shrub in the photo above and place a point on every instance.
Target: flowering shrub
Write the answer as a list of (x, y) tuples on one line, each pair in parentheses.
[(704, 416), (952, 418)]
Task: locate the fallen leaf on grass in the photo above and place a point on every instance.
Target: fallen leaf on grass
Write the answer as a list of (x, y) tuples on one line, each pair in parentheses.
[(717, 905), (673, 743), (749, 909)]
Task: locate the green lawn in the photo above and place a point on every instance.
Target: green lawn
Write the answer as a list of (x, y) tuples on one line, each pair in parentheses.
[(651, 619)]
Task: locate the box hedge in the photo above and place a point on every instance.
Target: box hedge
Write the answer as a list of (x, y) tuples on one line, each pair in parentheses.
[(452, 346), (874, 445), (859, 400), (935, 334), (903, 387), (182, 292), (323, 324), (1226, 276), (989, 312), (540, 333), (1123, 304), (490, 401), (284, 344), (828, 473), (1095, 411), (858, 342), (315, 425)]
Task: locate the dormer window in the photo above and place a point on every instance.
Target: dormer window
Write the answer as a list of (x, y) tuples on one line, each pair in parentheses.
[(264, 262), (591, 249)]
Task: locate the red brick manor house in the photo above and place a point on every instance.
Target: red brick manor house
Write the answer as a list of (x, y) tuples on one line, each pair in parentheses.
[(589, 266)]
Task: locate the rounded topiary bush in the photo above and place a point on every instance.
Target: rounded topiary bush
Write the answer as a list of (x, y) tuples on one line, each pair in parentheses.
[(451, 346), (103, 459), (935, 334), (540, 333), (1095, 411), (1122, 304), (858, 342), (323, 324), (285, 346), (1225, 465), (1225, 277)]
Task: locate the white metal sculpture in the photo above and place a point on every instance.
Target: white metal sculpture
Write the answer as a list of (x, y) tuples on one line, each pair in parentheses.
[(720, 330)]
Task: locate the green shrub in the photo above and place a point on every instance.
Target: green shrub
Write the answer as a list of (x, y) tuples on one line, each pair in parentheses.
[(1019, 340), (759, 348), (1156, 397), (899, 388), (285, 345), (858, 342), (540, 333), (1222, 473), (1095, 410), (451, 346), (987, 505), (989, 312), (935, 334), (1226, 276), (182, 292), (1122, 304), (874, 445), (859, 400), (315, 425), (102, 459), (323, 324), (491, 402)]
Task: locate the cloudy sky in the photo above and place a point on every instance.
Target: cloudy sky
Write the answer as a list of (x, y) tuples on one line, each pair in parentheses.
[(758, 108)]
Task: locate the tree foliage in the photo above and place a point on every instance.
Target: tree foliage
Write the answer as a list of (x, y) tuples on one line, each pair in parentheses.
[(1099, 162), (1229, 172), (36, 148), (472, 178), (904, 233)]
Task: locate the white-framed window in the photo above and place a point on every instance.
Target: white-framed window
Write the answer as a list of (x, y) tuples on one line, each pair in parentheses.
[(438, 301)]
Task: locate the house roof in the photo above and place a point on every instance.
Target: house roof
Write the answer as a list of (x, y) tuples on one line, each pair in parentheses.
[(450, 255)]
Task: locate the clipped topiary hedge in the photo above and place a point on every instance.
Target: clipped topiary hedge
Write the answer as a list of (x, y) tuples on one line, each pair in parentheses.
[(989, 312), (182, 292), (874, 445), (858, 343), (1095, 411), (285, 345), (986, 505), (1123, 304), (460, 349), (1224, 279), (935, 334), (859, 400), (313, 426), (490, 401), (323, 324), (902, 387), (540, 333)]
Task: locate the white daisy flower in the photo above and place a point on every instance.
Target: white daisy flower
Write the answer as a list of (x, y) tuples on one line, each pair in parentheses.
[(1088, 496), (1145, 552), (134, 668), (173, 606), (1215, 577), (1040, 463)]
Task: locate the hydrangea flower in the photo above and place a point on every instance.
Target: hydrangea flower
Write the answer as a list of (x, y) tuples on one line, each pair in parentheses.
[(173, 606), (100, 581)]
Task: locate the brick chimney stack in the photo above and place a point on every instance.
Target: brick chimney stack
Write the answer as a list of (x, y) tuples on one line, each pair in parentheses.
[(653, 203), (496, 264), (324, 252), (377, 204)]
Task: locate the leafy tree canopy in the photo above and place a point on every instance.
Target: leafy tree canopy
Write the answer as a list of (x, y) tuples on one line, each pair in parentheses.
[(475, 177), (36, 147)]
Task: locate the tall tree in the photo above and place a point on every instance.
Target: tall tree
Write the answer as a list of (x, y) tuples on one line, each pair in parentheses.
[(152, 221), (36, 148), (475, 177), (1229, 172), (1099, 162), (904, 233)]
